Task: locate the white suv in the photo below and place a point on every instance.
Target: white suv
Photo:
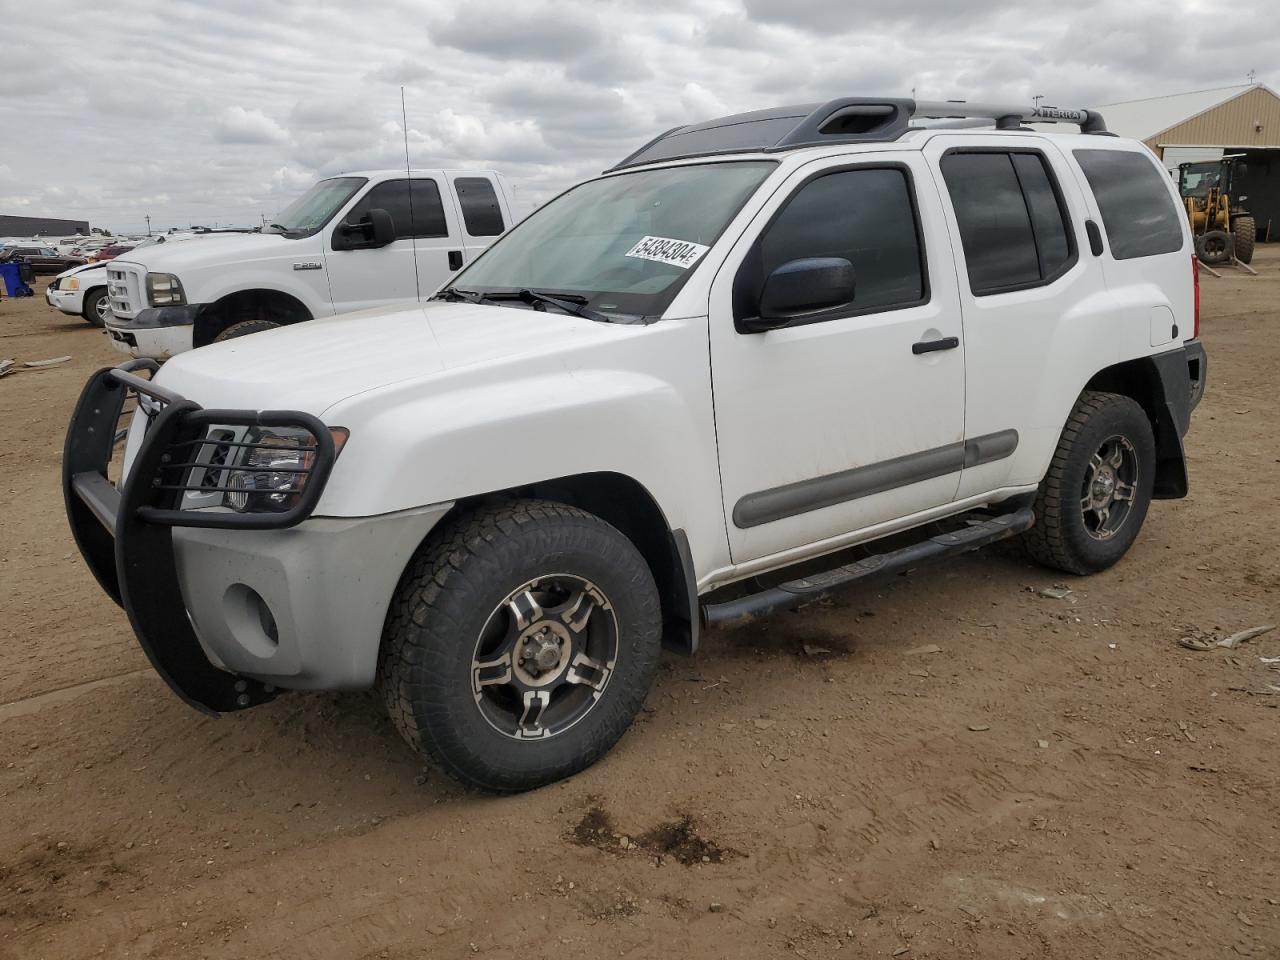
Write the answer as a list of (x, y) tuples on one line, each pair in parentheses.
[(767, 339), (351, 242)]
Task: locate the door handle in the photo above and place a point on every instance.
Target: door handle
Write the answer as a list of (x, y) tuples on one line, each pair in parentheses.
[(932, 346), (455, 259)]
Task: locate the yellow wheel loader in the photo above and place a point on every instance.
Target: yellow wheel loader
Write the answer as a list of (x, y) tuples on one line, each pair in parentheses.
[(1222, 228)]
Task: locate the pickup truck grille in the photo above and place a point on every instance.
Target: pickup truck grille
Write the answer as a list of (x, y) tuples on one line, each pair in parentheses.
[(124, 290)]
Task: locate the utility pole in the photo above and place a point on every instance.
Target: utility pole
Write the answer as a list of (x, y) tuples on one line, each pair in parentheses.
[(1037, 98), (148, 224)]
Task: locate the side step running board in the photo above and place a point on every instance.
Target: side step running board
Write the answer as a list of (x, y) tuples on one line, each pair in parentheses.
[(793, 593)]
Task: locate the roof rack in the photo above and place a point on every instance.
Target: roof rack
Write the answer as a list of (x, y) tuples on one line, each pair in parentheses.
[(845, 120)]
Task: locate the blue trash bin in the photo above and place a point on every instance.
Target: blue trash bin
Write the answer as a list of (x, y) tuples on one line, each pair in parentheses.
[(11, 274)]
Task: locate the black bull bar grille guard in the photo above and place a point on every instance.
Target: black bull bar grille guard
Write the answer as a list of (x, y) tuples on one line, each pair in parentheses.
[(125, 532)]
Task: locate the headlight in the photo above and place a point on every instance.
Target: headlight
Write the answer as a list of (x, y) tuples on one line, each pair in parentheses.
[(71, 283), (164, 290), (272, 468)]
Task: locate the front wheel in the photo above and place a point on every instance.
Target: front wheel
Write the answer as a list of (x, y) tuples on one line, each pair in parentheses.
[(244, 328), (1094, 498), (97, 307), (520, 644), (1244, 232)]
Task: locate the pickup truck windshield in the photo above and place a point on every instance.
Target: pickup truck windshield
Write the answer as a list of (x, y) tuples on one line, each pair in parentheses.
[(623, 244), (316, 207)]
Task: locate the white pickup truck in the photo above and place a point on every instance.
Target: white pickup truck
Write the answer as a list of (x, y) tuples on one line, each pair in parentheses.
[(350, 242)]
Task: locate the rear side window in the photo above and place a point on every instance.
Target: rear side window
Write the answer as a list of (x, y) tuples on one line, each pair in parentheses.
[(866, 216), (393, 196), (1013, 225), (479, 202), (1140, 217)]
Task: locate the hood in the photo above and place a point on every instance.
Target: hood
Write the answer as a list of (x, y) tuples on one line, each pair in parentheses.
[(202, 251), (312, 366), (82, 268)]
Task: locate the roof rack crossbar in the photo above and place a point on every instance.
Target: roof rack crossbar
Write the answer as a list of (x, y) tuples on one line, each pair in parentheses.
[(845, 120)]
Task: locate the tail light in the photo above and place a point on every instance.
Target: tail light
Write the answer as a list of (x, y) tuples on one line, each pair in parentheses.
[(1195, 279)]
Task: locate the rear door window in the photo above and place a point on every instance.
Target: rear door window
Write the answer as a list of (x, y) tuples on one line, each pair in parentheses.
[(1138, 212), (479, 202), (1013, 225)]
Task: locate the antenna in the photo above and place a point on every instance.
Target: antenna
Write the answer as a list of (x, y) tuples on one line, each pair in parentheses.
[(408, 178)]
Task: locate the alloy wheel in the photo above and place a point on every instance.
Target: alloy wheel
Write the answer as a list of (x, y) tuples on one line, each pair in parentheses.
[(544, 657)]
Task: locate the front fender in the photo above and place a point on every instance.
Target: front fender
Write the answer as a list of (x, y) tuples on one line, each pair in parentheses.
[(473, 431)]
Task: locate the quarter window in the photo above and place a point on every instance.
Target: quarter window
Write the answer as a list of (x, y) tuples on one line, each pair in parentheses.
[(1138, 213), (479, 202), (393, 196), (866, 216), (1012, 223)]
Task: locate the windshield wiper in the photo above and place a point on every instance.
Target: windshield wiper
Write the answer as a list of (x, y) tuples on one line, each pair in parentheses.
[(453, 293), (573, 303)]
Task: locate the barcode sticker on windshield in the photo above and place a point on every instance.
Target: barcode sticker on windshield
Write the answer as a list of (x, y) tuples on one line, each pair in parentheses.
[(678, 253)]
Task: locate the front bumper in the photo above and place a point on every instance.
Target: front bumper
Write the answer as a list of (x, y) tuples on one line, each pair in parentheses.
[(228, 607), (70, 302), (156, 332)]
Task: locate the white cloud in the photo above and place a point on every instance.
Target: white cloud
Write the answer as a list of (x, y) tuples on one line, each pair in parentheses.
[(237, 125), (204, 121)]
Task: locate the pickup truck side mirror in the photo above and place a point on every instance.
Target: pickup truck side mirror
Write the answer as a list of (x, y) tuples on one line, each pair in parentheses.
[(799, 288), (375, 229)]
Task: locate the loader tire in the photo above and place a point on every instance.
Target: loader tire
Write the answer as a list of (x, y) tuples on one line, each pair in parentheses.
[(1213, 247), (1245, 232)]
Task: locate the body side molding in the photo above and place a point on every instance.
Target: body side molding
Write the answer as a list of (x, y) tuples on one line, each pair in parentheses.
[(793, 499)]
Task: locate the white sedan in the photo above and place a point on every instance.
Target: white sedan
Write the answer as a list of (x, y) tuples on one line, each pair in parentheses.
[(81, 292)]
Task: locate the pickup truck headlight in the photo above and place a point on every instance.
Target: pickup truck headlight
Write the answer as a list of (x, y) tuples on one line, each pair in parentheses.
[(71, 283), (273, 467), (164, 290)]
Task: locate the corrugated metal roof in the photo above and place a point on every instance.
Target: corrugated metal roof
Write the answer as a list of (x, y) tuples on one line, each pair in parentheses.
[(1141, 119)]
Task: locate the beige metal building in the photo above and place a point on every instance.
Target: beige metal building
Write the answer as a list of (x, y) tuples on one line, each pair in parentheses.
[(1205, 124)]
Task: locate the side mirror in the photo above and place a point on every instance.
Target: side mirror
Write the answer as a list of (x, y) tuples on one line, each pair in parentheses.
[(801, 287), (375, 229)]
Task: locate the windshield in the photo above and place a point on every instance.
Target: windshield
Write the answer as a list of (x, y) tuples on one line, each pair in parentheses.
[(1199, 178), (316, 207), (623, 244)]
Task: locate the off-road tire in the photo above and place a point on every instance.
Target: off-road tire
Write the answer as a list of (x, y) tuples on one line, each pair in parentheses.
[(1213, 247), (1060, 538), (1245, 232), (244, 328), (448, 592), (90, 308)]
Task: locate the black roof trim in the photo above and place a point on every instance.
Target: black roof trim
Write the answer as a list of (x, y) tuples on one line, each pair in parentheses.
[(844, 120)]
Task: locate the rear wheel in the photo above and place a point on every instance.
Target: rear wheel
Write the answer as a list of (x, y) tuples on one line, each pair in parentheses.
[(520, 644), (1213, 247), (244, 328), (1245, 232), (97, 308), (1094, 498)]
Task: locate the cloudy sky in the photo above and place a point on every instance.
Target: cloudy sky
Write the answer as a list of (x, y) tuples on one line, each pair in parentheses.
[(220, 111)]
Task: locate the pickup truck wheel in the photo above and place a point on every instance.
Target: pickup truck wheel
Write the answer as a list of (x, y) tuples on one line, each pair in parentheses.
[(520, 644), (1092, 502), (244, 328), (97, 308)]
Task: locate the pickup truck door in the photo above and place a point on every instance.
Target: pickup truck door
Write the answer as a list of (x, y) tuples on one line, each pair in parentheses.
[(363, 277), (482, 208), (853, 417)]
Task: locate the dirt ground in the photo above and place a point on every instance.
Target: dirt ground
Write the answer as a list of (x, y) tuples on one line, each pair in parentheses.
[(1059, 778)]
